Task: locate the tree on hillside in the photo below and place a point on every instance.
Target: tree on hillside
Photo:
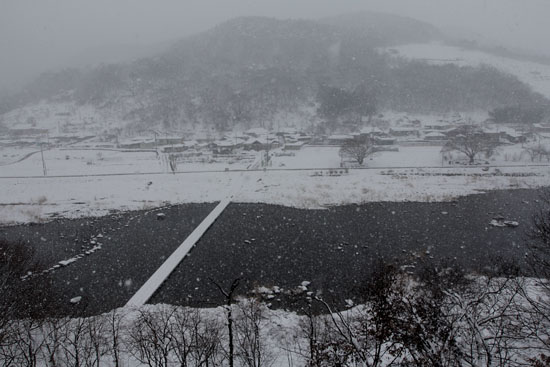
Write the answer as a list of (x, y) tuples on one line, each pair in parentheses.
[(357, 150), (334, 101), (516, 115), (537, 151), (337, 102), (364, 102), (471, 142)]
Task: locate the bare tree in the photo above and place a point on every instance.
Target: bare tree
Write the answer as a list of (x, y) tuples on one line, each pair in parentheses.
[(229, 299), (252, 350), (538, 151), (29, 341), (207, 341), (150, 337), (20, 317), (356, 150), (365, 336), (471, 142), (311, 329), (115, 325), (9, 354), (537, 316), (76, 349), (196, 339), (184, 323), (53, 332), (488, 326), (96, 329)]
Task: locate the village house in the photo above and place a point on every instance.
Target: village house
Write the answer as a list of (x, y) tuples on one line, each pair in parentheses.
[(176, 148), (295, 145), (169, 140), (438, 125), (404, 131), (138, 143), (256, 132), (383, 140), (435, 136), (339, 139), (542, 128)]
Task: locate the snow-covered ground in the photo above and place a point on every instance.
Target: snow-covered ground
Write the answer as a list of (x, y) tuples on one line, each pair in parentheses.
[(67, 162), (535, 74), (406, 156), (97, 161), (67, 117), (14, 154), (328, 157), (35, 199)]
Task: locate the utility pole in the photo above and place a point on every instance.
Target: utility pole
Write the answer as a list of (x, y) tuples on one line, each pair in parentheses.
[(267, 150), (43, 161)]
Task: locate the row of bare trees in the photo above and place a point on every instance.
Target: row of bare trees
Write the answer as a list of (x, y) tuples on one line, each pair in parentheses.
[(158, 336), (62, 341), (537, 152), (437, 317)]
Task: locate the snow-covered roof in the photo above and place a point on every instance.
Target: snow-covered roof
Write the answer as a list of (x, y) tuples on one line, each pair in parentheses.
[(340, 137), (171, 137), (370, 129), (190, 143), (137, 141), (437, 124), (224, 143), (177, 146), (257, 131), (510, 131), (434, 135), (295, 144), (288, 130), (403, 129), (255, 141)]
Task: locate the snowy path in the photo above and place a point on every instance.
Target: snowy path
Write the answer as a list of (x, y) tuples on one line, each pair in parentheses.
[(28, 155), (155, 281)]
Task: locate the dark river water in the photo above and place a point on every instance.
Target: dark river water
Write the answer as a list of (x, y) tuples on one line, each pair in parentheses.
[(333, 249)]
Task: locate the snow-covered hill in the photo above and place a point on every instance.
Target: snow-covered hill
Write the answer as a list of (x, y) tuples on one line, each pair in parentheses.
[(534, 74)]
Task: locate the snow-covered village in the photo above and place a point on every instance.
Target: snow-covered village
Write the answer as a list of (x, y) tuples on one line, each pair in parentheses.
[(275, 184)]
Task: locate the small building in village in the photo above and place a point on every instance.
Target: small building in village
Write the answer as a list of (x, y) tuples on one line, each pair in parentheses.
[(404, 131)]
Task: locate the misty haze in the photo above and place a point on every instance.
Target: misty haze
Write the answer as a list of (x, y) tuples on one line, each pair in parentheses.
[(274, 183)]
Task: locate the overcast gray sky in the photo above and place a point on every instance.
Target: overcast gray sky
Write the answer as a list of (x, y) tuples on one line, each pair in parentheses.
[(37, 35)]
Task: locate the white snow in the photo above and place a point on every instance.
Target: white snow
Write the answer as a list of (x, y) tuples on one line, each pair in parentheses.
[(76, 300), (36, 199), (68, 261)]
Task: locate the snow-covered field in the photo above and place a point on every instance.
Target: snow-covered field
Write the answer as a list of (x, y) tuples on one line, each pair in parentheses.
[(60, 162), (115, 180), (64, 117), (535, 74), (10, 155), (67, 162), (328, 157), (35, 199)]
